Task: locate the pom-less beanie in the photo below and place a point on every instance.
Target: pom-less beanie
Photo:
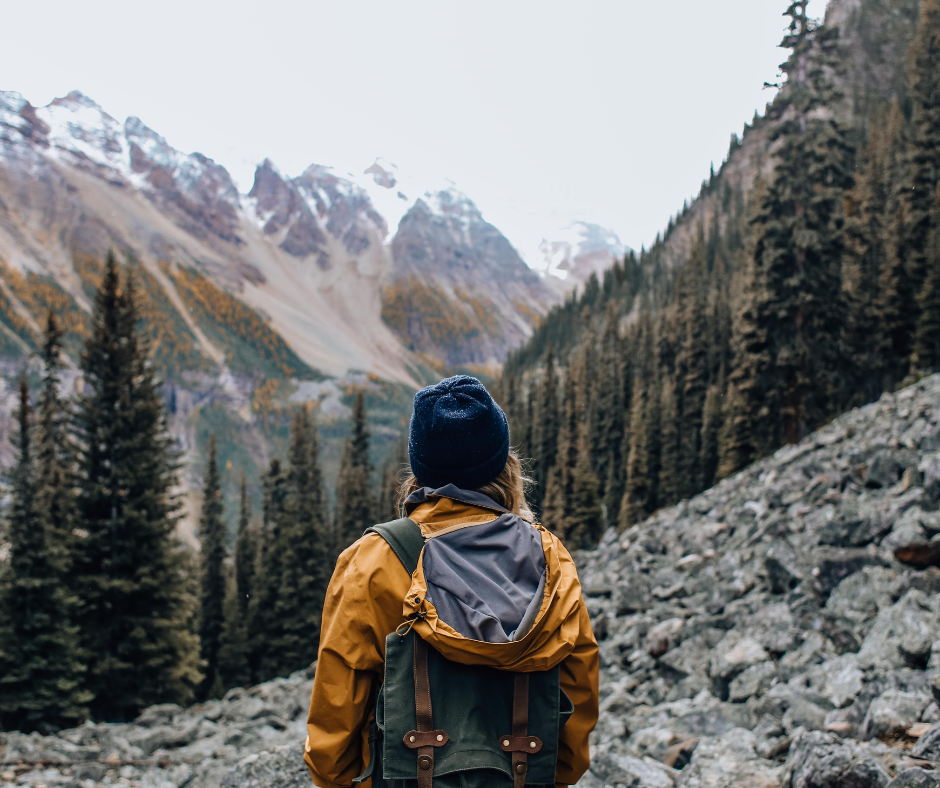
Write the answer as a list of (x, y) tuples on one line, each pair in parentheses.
[(459, 435)]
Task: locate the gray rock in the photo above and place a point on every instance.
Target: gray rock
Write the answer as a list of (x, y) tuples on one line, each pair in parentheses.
[(755, 680), (734, 654), (730, 760), (915, 778), (902, 634), (893, 712), (928, 745), (282, 767), (820, 760)]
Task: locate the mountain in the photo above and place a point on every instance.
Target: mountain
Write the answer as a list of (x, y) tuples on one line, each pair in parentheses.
[(577, 251), (761, 634), (459, 290), (299, 290)]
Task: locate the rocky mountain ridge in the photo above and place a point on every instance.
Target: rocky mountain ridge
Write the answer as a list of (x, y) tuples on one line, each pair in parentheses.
[(311, 254), (762, 634)]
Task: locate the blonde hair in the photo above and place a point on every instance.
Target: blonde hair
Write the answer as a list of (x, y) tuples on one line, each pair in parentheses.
[(507, 489)]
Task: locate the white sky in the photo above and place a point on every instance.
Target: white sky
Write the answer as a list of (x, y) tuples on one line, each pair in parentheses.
[(543, 112)]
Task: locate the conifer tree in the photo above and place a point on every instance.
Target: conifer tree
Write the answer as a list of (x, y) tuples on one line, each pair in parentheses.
[(212, 575), (927, 339), (799, 239), (693, 361), (923, 174), (669, 452), (864, 259), (583, 529), (553, 506), (137, 604), (547, 416), (246, 547), (233, 670), (307, 561), (354, 505), (637, 493), (41, 665), (262, 626), (711, 426), (387, 502)]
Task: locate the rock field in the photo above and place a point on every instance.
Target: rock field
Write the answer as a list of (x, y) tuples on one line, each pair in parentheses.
[(762, 634)]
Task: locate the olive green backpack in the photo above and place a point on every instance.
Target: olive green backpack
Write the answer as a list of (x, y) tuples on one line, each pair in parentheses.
[(443, 724)]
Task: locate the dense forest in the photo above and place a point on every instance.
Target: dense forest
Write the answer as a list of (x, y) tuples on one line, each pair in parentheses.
[(812, 291), (103, 609), (798, 284)]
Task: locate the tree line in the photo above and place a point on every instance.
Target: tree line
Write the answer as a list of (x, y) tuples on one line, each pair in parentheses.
[(104, 610), (816, 292)]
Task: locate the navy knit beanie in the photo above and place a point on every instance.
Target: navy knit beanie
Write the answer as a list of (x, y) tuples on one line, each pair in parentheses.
[(459, 435)]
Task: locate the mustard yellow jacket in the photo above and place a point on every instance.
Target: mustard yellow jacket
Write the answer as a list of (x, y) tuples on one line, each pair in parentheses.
[(370, 594)]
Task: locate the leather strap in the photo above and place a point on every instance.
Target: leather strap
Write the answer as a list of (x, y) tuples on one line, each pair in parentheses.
[(520, 744), (428, 736)]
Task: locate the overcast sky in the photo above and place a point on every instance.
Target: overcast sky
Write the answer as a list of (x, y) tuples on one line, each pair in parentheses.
[(543, 112)]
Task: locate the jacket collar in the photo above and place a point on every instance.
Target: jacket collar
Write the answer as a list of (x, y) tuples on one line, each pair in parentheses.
[(437, 509)]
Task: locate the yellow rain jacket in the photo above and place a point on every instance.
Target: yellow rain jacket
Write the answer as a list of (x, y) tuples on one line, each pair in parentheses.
[(370, 594)]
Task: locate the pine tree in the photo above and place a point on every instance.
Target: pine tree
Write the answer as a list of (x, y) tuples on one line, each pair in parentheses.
[(387, 502), (669, 432), (864, 261), (561, 475), (307, 562), (584, 522), (262, 626), (234, 670), (547, 419), (926, 356), (41, 666), (693, 362), (923, 175), (799, 238), (637, 494), (212, 575), (246, 547), (354, 505), (137, 606), (711, 425)]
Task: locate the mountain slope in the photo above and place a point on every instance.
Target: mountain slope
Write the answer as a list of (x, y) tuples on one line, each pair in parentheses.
[(761, 634)]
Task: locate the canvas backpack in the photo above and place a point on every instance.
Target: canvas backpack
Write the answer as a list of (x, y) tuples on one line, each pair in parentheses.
[(439, 723)]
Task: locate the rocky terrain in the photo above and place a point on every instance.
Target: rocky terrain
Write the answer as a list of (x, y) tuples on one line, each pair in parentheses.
[(169, 747), (762, 634)]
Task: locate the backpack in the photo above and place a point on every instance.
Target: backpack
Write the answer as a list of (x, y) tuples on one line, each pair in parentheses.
[(443, 724)]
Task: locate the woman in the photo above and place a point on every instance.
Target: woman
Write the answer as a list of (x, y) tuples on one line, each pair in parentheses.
[(491, 590)]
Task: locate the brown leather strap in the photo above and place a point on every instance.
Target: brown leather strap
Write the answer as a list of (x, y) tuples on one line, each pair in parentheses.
[(520, 744), (423, 714)]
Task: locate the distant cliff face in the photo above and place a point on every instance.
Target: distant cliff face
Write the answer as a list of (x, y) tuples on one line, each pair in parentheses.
[(458, 290)]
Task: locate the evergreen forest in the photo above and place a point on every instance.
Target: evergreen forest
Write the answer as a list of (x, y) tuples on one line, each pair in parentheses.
[(803, 280), (765, 309), (104, 609)]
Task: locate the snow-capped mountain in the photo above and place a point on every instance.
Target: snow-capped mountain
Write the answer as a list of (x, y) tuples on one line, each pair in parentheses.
[(575, 252), (323, 259)]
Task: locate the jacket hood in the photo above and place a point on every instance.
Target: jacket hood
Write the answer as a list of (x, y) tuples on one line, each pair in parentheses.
[(490, 588)]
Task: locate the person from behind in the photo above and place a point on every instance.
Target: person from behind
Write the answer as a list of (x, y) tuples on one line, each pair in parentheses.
[(455, 647)]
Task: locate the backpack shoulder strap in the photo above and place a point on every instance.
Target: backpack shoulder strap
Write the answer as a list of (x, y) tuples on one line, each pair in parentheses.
[(405, 538)]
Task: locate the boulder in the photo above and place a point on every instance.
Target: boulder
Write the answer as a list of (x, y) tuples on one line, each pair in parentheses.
[(893, 713), (915, 778), (928, 745), (282, 767), (821, 760)]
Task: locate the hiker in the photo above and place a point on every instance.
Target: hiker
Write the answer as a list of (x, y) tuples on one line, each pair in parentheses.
[(455, 646)]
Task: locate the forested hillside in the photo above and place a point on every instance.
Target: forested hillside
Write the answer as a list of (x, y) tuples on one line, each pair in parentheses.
[(803, 280)]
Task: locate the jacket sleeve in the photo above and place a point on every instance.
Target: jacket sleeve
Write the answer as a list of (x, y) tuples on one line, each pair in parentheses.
[(579, 681), (363, 604)]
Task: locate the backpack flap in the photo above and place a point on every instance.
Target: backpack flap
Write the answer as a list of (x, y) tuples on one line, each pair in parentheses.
[(472, 710)]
